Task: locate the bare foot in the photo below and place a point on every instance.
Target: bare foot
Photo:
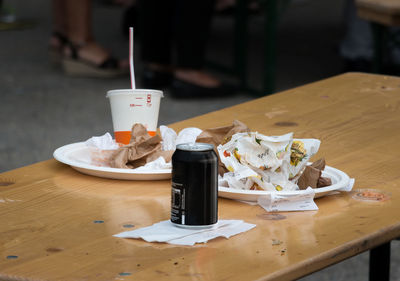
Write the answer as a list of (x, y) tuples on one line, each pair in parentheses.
[(96, 54), (57, 41), (160, 67), (197, 77), (93, 53)]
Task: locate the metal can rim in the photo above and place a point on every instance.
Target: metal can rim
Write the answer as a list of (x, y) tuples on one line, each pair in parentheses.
[(197, 146)]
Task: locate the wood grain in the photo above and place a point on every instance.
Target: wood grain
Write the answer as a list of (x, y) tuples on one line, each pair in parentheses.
[(57, 224)]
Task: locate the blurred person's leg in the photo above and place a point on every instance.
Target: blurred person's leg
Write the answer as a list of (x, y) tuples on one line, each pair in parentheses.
[(58, 38), (177, 29), (59, 20), (357, 46), (192, 27), (79, 31), (79, 20), (155, 23), (394, 47), (81, 54)]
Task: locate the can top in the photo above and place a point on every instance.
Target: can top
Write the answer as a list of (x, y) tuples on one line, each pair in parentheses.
[(197, 146)]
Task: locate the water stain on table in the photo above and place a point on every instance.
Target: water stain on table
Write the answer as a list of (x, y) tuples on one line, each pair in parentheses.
[(286, 124), (5, 182), (274, 217), (54, 250), (128, 225)]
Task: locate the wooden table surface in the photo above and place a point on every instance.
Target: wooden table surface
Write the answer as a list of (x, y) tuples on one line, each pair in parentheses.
[(57, 224)]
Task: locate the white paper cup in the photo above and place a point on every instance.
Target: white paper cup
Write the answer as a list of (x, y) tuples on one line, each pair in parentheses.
[(129, 107)]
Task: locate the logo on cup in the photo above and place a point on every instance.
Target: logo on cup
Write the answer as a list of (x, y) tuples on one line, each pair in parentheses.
[(149, 100)]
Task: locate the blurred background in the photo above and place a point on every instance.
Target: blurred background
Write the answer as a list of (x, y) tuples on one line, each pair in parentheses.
[(42, 108)]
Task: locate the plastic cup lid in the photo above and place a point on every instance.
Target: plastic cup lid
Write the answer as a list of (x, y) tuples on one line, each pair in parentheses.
[(134, 92)]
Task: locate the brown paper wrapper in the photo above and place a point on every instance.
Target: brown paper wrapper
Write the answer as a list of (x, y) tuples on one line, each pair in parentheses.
[(324, 182), (221, 135), (309, 177), (312, 176), (142, 149)]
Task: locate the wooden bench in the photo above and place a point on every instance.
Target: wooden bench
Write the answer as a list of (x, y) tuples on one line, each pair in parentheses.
[(382, 14)]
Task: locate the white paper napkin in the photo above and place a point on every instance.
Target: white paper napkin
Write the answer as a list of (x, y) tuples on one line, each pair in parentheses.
[(104, 142), (171, 139), (167, 232), (158, 164), (300, 201)]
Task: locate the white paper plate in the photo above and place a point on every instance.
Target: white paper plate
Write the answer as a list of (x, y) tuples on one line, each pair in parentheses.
[(339, 180), (77, 155)]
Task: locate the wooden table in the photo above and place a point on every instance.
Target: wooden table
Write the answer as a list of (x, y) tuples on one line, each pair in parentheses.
[(57, 224)]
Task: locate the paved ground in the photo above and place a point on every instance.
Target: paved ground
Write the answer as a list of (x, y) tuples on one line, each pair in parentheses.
[(42, 109)]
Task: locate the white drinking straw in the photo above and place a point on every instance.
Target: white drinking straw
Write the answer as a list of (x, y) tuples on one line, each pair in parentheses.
[(133, 84)]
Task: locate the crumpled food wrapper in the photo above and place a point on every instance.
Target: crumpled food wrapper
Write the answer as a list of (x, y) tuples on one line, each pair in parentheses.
[(101, 149), (301, 152), (142, 149), (259, 162), (248, 160)]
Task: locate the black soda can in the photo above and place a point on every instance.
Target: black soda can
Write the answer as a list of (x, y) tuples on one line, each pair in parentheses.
[(194, 194)]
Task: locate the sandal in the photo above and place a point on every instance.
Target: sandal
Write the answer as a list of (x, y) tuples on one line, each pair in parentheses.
[(75, 65), (56, 49)]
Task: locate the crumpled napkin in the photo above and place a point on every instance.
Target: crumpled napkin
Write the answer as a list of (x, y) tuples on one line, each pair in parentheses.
[(301, 200), (170, 139), (158, 164), (167, 232), (101, 149), (102, 142)]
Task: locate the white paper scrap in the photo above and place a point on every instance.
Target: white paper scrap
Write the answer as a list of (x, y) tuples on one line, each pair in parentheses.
[(169, 138), (158, 164), (167, 232), (188, 135), (226, 231), (104, 142), (299, 201)]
